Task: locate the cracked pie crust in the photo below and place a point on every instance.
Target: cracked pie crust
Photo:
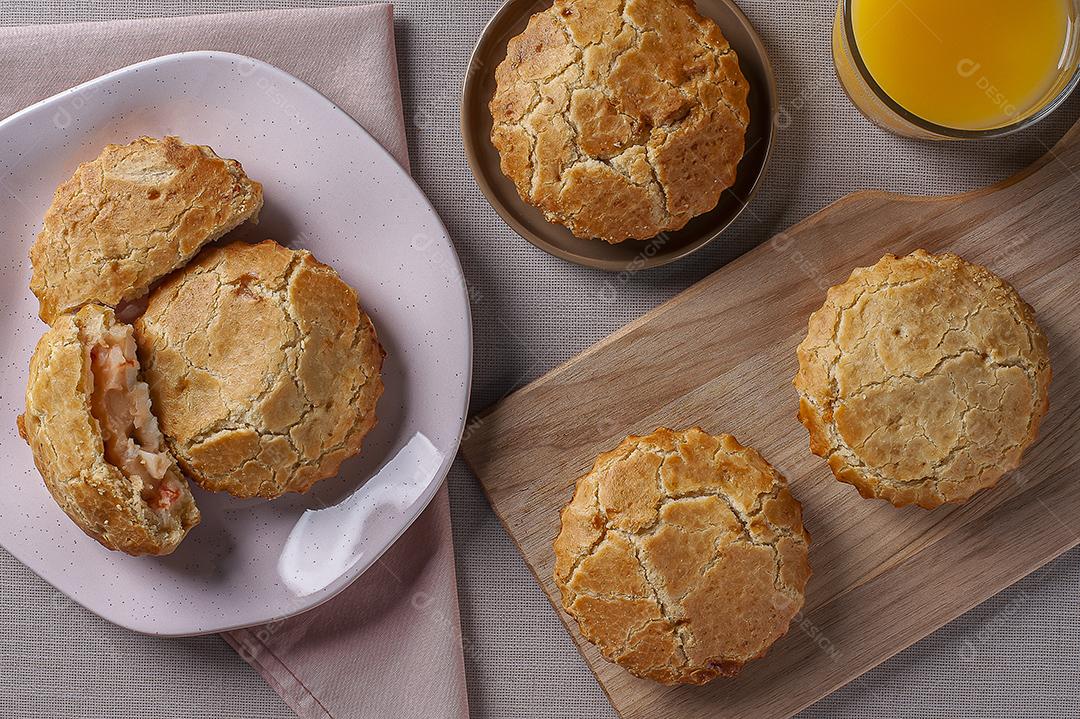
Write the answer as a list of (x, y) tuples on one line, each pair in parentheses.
[(263, 368), (131, 216), (95, 441), (682, 556), (620, 119), (922, 379)]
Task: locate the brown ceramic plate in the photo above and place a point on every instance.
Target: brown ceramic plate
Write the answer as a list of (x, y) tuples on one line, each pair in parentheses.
[(528, 222)]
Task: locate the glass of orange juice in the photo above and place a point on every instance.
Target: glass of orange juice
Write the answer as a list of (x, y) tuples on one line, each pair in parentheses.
[(957, 69)]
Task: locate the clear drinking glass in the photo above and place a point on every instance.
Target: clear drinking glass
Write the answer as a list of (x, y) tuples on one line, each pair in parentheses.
[(873, 102)]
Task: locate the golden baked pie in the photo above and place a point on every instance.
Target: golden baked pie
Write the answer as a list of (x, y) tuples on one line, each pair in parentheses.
[(263, 368), (131, 216), (620, 119), (95, 440), (922, 379), (682, 556)]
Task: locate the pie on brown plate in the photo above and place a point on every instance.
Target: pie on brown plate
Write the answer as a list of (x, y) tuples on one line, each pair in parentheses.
[(620, 119)]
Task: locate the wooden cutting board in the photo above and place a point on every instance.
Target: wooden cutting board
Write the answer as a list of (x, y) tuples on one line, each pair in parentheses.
[(722, 355)]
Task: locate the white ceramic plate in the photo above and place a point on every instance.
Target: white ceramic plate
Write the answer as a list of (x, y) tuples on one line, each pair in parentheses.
[(329, 188)]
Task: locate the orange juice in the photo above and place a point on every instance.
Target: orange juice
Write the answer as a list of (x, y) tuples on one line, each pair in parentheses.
[(966, 64)]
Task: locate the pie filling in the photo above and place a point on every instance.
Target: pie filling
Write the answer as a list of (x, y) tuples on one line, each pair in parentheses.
[(120, 402)]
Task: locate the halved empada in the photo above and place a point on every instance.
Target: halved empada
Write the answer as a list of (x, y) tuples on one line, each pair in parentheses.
[(96, 441), (131, 216)]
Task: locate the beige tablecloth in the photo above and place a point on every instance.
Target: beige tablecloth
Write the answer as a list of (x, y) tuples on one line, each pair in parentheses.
[(1014, 656)]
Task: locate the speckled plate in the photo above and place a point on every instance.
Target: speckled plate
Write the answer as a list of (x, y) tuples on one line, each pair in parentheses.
[(528, 222), (329, 188)]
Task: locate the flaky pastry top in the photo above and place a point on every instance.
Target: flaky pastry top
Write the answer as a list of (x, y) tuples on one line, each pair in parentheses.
[(132, 215), (620, 118), (263, 369), (922, 379), (682, 555)]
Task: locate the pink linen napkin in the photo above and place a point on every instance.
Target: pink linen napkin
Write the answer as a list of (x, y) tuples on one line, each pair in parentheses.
[(363, 653)]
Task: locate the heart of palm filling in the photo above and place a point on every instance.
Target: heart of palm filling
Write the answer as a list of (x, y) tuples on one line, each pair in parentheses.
[(120, 402)]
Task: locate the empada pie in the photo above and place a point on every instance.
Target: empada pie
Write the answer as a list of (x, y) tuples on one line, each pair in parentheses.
[(95, 440), (620, 119), (263, 368), (682, 555), (132, 215), (923, 379)]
